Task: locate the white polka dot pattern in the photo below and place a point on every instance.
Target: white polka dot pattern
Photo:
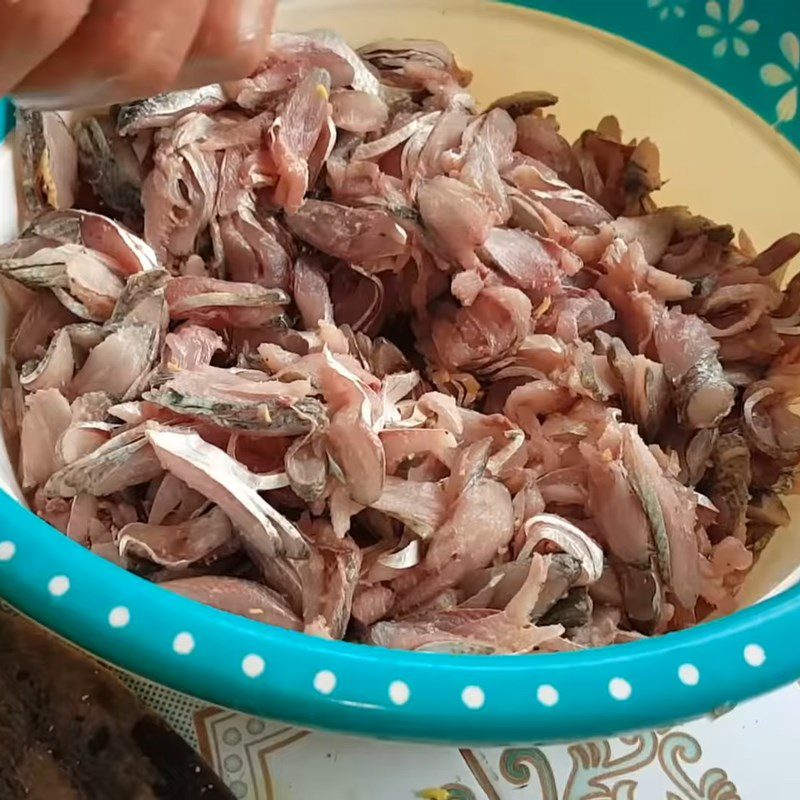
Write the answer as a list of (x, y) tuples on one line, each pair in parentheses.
[(119, 617), (689, 675), (325, 681), (473, 697), (399, 693), (754, 655), (58, 585), (253, 665), (183, 643), (547, 695), (619, 689)]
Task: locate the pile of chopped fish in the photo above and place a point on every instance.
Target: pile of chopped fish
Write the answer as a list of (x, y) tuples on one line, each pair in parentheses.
[(332, 349)]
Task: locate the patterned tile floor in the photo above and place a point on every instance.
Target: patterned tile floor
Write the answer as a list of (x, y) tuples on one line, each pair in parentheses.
[(748, 753)]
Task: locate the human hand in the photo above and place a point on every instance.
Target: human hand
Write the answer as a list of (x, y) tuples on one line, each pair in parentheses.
[(67, 53)]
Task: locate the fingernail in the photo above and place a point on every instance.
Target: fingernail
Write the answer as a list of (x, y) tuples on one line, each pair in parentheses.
[(251, 20)]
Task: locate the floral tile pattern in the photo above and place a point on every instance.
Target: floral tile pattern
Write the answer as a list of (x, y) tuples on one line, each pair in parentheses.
[(710, 759), (726, 26), (667, 9), (786, 76), (750, 48)]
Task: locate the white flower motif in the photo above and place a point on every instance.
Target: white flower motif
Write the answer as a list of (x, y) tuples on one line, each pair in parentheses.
[(776, 75), (726, 30), (667, 8)]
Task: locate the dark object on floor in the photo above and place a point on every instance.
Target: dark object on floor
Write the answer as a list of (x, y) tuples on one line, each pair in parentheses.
[(69, 730)]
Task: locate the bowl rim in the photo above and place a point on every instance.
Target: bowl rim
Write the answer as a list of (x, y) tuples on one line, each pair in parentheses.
[(266, 671), (270, 672)]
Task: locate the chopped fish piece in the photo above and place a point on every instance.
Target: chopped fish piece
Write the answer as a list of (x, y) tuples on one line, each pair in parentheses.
[(49, 160)]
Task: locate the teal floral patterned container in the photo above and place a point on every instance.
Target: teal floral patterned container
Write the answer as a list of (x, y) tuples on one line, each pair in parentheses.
[(717, 84), (749, 48)]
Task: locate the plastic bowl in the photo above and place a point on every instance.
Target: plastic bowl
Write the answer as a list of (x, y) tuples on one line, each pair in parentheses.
[(730, 151)]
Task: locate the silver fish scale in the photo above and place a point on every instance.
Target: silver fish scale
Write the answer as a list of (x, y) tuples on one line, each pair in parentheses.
[(104, 473), (119, 188), (266, 416), (164, 109), (707, 371)]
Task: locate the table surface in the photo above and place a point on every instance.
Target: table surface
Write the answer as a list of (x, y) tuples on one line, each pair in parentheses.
[(747, 753)]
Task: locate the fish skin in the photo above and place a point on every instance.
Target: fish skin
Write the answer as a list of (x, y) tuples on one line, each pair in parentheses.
[(49, 179), (165, 109), (116, 181), (267, 417)]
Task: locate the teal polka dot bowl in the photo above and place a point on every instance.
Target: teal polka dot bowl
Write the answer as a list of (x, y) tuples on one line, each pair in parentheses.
[(715, 84)]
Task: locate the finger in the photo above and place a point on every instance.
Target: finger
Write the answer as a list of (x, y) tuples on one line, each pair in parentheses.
[(31, 31), (232, 41), (122, 50)]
